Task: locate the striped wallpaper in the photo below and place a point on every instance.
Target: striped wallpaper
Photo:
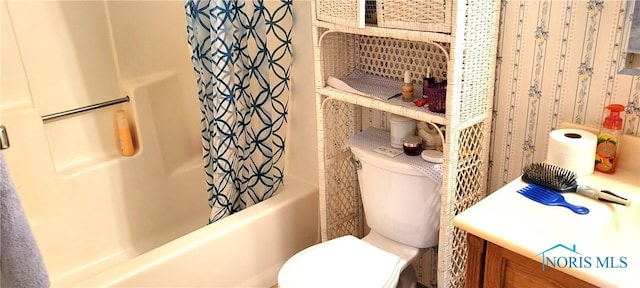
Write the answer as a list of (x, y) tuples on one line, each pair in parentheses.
[(557, 62)]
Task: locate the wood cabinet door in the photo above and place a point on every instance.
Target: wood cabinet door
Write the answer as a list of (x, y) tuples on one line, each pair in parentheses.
[(505, 268)]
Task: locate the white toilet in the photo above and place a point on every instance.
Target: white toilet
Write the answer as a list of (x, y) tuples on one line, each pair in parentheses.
[(402, 208)]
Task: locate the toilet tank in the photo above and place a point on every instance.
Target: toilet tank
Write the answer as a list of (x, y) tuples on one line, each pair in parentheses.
[(399, 201)]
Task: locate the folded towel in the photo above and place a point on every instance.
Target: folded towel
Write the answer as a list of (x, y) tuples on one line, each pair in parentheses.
[(361, 83), (21, 264)]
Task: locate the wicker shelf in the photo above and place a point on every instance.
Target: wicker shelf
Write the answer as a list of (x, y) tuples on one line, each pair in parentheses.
[(395, 106), (460, 49), (372, 30)]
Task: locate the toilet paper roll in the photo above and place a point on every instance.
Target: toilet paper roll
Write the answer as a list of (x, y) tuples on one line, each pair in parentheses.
[(572, 149)]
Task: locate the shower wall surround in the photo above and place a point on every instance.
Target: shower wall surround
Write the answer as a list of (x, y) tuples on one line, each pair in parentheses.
[(88, 206), (557, 62)]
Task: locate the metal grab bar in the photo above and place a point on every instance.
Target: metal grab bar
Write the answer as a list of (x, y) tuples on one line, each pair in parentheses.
[(53, 116)]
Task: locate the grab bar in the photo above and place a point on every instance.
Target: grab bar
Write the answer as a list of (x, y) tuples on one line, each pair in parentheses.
[(53, 116)]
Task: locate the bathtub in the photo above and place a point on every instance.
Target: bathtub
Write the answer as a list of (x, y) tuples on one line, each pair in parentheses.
[(144, 217), (245, 249), (101, 219)]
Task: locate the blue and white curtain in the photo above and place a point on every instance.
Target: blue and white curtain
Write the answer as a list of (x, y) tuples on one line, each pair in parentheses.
[(241, 56)]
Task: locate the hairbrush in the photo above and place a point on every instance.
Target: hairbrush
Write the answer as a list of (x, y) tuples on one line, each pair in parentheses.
[(564, 180)]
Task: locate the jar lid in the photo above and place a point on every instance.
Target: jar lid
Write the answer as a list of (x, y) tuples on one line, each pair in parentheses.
[(412, 141), (432, 156)]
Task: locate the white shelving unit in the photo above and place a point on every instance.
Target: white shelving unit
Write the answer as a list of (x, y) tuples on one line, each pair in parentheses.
[(462, 46)]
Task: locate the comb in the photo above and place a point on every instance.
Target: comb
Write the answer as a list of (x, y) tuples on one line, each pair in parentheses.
[(549, 197)]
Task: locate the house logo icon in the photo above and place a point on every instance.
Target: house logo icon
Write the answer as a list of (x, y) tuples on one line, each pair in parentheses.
[(559, 248), (564, 256)]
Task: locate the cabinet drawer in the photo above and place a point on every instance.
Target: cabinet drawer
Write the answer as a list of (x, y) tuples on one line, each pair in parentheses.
[(419, 15), (422, 15), (342, 12)]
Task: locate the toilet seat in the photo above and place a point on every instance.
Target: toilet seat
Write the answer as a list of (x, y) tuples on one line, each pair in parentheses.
[(342, 262)]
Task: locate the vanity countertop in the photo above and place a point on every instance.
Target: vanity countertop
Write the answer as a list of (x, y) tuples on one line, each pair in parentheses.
[(608, 237)]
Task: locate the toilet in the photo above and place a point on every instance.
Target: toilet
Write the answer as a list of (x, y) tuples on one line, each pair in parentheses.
[(402, 208)]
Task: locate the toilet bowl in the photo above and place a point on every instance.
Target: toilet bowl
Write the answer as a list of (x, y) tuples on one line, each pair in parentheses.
[(351, 262), (342, 262), (401, 206)]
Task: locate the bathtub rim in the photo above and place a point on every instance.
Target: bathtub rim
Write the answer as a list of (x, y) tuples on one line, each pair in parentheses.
[(200, 237)]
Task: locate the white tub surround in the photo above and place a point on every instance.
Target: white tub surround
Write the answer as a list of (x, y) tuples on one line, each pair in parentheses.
[(245, 249), (528, 228)]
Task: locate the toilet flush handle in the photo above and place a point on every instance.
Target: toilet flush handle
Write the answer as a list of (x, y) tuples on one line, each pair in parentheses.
[(356, 163), (4, 138)]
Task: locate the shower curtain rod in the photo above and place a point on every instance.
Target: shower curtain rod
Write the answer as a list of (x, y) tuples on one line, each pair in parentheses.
[(57, 115)]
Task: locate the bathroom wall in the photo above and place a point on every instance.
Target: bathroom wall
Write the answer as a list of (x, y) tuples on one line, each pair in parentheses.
[(150, 39), (136, 33), (302, 147), (557, 63)]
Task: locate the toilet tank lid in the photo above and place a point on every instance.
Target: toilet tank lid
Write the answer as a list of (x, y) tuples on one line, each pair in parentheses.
[(363, 144), (384, 162), (342, 262)]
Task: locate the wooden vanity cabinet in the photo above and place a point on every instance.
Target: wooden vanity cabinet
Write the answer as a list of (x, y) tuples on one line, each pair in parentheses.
[(490, 266)]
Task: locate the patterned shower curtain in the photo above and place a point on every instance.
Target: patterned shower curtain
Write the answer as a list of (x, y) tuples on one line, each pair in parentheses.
[(241, 54)]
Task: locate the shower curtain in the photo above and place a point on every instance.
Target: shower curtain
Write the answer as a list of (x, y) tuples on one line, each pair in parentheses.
[(241, 54)]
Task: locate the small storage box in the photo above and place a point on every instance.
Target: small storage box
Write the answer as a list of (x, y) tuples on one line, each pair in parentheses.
[(421, 15)]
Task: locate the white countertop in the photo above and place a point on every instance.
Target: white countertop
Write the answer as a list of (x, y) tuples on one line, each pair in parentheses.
[(514, 222)]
